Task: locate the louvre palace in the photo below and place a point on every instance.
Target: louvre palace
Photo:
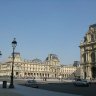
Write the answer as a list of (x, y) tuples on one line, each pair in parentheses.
[(36, 68)]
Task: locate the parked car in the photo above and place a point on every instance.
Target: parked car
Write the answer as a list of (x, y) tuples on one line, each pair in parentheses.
[(81, 82), (31, 83)]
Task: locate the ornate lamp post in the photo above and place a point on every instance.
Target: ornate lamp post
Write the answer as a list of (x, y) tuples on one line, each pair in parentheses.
[(14, 43)]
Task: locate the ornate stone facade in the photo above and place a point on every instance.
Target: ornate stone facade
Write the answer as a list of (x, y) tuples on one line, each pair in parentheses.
[(49, 68), (88, 54)]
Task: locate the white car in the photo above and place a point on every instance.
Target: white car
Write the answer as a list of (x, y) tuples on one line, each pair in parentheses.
[(31, 83), (81, 82)]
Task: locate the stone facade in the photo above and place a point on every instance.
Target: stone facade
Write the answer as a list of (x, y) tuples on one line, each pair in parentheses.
[(88, 54), (49, 68)]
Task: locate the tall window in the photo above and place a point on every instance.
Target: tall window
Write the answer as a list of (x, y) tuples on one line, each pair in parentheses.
[(92, 37), (93, 57), (93, 72), (84, 57)]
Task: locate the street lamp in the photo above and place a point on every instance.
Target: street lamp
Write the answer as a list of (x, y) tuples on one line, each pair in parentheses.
[(0, 53), (14, 43)]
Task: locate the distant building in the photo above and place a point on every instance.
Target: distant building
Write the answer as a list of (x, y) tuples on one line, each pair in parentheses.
[(76, 63), (49, 68), (88, 54)]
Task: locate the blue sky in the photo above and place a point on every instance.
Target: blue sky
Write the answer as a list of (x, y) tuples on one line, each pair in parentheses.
[(42, 27)]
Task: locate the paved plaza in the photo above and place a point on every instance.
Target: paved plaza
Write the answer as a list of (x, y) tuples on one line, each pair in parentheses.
[(48, 88), (27, 91)]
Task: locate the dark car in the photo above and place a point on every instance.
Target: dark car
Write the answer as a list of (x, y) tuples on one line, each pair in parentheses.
[(31, 83), (81, 82)]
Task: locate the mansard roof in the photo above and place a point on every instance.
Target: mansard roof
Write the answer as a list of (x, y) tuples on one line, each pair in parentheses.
[(90, 36), (93, 26), (52, 57), (38, 61), (16, 53)]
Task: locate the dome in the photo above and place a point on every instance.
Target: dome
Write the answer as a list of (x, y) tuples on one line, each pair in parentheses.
[(38, 61), (52, 57)]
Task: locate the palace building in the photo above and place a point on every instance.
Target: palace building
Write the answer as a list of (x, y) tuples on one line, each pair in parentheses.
[(36, 68), (88, 54)]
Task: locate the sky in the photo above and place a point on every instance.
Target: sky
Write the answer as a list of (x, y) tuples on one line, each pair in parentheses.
[(43, 27)]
